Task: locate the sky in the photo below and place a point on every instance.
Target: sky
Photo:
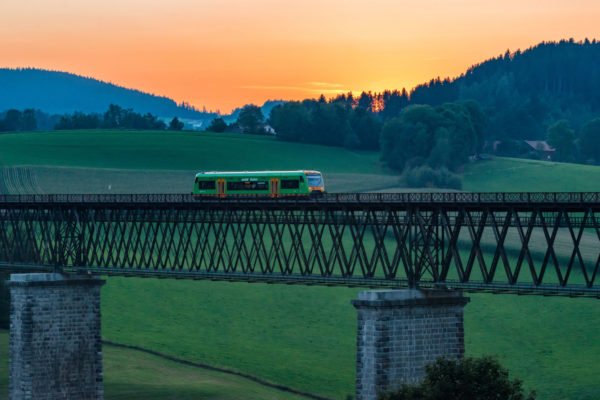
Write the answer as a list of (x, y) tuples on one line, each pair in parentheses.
[(221, 54)]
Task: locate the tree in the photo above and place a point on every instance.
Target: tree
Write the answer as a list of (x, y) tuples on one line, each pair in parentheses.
[(393, 103), (410, 135), (365, 101), (291, 121), (589, 141), (217, 125), (251, 120), (470, 378), (13, 120), (444, 136), (330, 124), (113, 117), (366, 127), (28, 120), (562, 138), (458, 128), (78, 120), (479, 122), (175, 124)]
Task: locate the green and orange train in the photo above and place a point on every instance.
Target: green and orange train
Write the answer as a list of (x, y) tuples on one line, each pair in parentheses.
[(259, 183)]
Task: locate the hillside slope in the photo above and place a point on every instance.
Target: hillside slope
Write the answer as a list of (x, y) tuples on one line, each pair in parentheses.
[(519, 175), (60, 92), (151, 162), (300, 336), (524, 91)]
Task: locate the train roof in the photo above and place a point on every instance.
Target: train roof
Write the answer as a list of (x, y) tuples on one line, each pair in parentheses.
[(256, 173)]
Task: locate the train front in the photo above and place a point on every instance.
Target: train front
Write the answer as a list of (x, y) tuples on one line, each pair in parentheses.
[(316, 185)]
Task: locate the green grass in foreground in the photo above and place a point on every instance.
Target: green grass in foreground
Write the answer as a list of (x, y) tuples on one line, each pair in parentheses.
[(305, 336), (133, 375)]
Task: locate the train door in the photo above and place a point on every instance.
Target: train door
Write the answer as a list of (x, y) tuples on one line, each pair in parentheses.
[(221, 187), (274, 187)]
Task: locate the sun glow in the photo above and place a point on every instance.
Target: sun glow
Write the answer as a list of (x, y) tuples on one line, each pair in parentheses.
[(226, 53)]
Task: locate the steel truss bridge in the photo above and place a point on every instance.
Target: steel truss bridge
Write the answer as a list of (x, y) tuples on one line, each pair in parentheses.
[(524, 243)]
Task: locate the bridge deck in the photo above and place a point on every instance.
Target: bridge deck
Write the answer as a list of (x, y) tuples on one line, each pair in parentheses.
[(540, 243), (425, 198)]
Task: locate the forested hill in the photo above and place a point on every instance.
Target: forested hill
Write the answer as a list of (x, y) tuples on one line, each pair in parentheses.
[(61, 92), (525, 91)]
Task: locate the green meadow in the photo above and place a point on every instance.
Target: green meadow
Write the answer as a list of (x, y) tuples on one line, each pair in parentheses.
[(300, 336), (512, 175), (133, 375), (176, 151)]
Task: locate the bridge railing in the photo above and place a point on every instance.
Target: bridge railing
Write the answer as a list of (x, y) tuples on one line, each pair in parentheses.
[(509, 242), (421, 197)]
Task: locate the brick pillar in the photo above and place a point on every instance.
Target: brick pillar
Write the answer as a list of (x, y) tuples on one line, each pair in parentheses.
[(55, 347), (400, 332)]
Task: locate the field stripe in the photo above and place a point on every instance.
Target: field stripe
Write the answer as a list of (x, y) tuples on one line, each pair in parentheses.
[(252, 378)]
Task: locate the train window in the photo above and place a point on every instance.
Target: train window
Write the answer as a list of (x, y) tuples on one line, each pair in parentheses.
[(290, 184), (206, 185), (314, 180), (248, 185)]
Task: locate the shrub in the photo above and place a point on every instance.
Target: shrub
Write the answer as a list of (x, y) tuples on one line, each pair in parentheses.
[(427, 177), (217, 125), (470, 378)]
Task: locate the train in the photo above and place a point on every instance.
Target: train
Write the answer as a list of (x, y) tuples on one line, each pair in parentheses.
[(271, 184)]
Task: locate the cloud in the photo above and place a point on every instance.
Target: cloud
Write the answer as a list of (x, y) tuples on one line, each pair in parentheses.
[(274, 87), (329, 85), (314, 87)]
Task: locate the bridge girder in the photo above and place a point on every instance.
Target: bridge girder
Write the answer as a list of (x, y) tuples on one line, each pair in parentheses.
[(501, 242)]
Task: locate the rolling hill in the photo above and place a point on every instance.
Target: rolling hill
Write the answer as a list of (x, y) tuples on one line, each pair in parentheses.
[(57, 92), (304, 337)]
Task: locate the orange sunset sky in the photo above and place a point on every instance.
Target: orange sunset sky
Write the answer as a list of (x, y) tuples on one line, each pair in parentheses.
[(226, 53)]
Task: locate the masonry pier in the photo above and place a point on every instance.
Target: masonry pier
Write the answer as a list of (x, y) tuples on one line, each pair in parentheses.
[(400, 332), (55, 343)]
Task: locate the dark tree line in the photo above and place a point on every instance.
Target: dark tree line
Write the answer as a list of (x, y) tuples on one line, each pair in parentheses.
[(426, 143), (338, 122), (548, 92), (250, 120), (15, 120), (116, 117), (442, 136), (524, 92)]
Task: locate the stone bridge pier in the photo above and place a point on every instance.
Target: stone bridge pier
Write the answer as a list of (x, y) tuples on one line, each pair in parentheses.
[(400, 332), (55, 344), (56, 350)]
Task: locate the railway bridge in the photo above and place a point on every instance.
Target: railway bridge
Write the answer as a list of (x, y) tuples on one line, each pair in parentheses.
[(434, 245)]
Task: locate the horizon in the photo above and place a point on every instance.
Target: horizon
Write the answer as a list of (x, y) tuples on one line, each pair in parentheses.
[(222, 55), (355, 93)]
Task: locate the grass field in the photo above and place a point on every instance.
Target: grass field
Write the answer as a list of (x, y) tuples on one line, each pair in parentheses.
[(505, 174), (305, 336), (133, 375), (151, 162), (189, 151)]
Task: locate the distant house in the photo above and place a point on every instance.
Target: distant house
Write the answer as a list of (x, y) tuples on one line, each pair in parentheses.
[(542, 148), (269, 130), (539, 149)]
